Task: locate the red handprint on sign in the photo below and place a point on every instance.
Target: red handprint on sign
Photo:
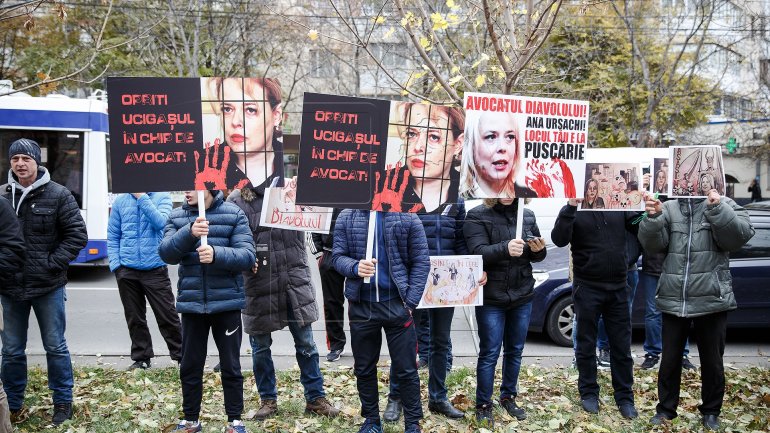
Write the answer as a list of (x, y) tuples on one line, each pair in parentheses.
[(390, 195), (214, 171)]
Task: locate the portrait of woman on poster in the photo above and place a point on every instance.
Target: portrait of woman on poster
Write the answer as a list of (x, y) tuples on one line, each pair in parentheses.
[(432, 137), (592, 199), (250, 113), (661, 181), (706, 183), (490, 157)]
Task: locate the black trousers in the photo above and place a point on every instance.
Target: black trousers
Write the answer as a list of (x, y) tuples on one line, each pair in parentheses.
[(333, 287), (136, 289), (367, 320), (227, 332), (590, 303), (710, 333)]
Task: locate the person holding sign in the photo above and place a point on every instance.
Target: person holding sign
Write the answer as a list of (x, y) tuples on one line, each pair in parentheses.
[(432, 139), (280, 294), (600, 273), (251, 114), (209, 297), (491, 156), (398, 274), (490, 231), (694, 290)]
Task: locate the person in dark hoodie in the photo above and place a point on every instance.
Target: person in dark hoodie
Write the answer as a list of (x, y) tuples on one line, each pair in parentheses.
[(12, 256), (600, 264), (54, 232), (209, 297), (490, 231)]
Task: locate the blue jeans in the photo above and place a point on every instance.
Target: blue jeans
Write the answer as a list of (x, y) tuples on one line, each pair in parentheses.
[(497, 327), (49, 310), (307, 359), (632, 280), (653, 319), (440, 325)]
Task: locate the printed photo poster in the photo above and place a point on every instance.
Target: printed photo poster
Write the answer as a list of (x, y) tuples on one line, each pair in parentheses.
[(659, 179), (453, 282), (519, 146), (279, 210), (613, 186), (342, 150), (180, 134), (422, 159), (695, 170)]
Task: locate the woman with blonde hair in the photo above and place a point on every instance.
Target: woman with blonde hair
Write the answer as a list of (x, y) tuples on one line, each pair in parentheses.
[(491, 159)]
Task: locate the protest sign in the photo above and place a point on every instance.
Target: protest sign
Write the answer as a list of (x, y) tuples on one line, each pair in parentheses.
[(659, 180), (279, 210), (518, 146), (180, 134), (612, 186), (453, 281), (695, 170), (341, 150)]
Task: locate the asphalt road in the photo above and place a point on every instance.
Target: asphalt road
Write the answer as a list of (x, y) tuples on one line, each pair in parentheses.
[(97, 334)]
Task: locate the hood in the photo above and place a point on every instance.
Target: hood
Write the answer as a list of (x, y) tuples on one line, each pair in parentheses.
[(218, 200), (43, 177)]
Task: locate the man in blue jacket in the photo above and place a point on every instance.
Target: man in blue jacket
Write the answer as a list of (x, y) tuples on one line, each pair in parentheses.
[(398, 273), (210, 296), (134, 232)]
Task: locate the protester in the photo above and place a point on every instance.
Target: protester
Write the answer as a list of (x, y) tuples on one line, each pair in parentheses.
[(695, 290), (12, 256), (279, 294), (54, 233), (333, 289), (503, 320), (398, 273), (134, 232), (433, 137), (600, 264), (210, 297)]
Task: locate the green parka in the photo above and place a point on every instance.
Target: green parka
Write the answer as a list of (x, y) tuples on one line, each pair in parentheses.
[(697, 238)]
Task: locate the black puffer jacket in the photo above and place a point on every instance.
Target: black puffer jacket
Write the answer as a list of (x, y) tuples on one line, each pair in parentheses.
[(487, 232), (12, 249), (281, 283), (53, 229)]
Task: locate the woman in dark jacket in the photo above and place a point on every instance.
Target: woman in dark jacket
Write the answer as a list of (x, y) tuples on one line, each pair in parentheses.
[(490, 230)]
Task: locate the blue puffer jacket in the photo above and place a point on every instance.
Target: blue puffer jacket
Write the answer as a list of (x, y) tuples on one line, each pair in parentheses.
[(218, 286), (444, 229), (135, 230), (408, 254)]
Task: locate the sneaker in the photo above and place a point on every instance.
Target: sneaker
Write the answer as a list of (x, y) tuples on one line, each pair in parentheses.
[(513, 409), (266, 409), (142, 365), (687, 365), (628, 411), (236, 427), (711, 422), (603, 361), (659, 419), (484, 415), (188, 427), (650, 361), (321, 406), (573, 365), (61, 412), (590, 405), (334, 355), (370, 426)]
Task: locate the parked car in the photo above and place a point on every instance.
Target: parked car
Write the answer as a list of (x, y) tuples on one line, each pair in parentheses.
[(552, 310)]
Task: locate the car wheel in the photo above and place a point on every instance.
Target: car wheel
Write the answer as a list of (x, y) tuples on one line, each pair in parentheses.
[(560, 320)]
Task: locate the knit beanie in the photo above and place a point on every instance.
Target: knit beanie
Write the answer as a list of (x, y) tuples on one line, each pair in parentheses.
[(25, 146)]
